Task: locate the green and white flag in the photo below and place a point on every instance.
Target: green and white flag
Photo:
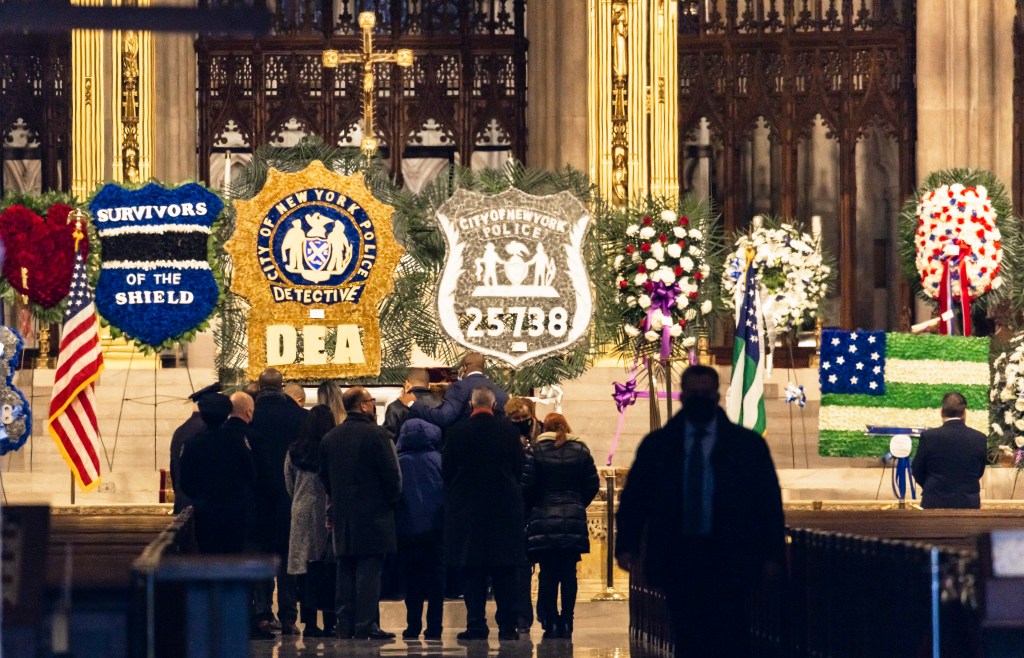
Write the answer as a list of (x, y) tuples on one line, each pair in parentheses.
[(894, 381), (745, 400)]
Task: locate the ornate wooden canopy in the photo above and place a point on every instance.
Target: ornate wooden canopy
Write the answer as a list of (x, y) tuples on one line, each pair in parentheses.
[(468, 79), (851, 62)]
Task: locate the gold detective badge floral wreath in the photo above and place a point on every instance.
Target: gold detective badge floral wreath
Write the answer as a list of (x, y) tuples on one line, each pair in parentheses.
[(515, 286), (314, 254)]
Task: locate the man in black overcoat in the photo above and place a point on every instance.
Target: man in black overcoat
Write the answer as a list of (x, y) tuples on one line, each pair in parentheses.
[(951, 459), (185, 432), (456, 403), (484, 532), (705, 493), (218, 474), (359, 469), (276, 419)]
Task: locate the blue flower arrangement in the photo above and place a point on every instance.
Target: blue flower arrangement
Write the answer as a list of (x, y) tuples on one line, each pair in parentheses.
[(156, 285), (15, 417)]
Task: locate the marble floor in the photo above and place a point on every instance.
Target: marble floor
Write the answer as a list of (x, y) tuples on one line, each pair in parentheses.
[(601, 631)]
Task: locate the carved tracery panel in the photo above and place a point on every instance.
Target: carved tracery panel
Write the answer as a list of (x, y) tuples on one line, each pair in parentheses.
[(469, 72), (837, 69)]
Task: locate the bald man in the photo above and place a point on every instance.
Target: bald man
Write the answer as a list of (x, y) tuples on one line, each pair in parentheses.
[(455, 406), (296, 392)]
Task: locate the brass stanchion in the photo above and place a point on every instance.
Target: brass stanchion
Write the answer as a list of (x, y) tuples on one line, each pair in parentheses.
[(609, 593)]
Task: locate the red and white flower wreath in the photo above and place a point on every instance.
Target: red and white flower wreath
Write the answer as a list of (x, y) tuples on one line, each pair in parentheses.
[(956, 231)]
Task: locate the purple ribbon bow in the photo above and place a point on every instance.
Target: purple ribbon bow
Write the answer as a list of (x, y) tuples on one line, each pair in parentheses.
[(625, 394), (662, 299)]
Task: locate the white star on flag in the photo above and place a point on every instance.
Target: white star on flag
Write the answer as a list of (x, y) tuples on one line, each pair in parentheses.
[(871, 339), (835, 341), (853, 349), (840, 360), (860, 366), (874, 356), (832, 379), (873, 385), (853, 380)]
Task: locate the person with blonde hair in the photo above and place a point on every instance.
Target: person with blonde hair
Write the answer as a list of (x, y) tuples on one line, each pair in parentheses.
[(329, 393), (559, 481)]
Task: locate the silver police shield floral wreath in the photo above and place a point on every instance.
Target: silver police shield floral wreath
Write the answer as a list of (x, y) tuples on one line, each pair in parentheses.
[(15, 417)]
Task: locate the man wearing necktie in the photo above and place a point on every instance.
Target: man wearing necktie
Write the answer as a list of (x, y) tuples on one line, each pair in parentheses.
[(704, 493)]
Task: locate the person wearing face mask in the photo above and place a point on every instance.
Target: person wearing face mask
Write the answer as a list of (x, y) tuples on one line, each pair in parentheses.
[(455, 406), (704, 492)]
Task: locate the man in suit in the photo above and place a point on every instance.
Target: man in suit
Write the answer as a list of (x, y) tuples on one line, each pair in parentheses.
[(706, 493), (417, 383), (455, 406), (951, 459), (276, 420), (359, 469), (189, 429), (218, 474), (484, 533)]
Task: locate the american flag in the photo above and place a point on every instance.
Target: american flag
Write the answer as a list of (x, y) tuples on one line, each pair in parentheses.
[(73, 405)]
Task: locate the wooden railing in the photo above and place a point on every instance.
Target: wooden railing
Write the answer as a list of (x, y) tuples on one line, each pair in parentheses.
[(846, 596), (185, 604)]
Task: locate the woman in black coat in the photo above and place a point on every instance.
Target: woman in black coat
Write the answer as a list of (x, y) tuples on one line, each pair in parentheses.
[(559, 481)]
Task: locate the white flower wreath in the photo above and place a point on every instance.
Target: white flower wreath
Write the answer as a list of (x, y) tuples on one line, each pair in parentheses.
[(791, 270)]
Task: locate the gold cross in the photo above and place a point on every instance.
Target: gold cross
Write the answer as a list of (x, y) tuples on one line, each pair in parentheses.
[(403, 58)]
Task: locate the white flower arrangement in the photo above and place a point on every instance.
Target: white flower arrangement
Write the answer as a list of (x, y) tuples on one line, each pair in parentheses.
[(661, 276), (957, 223), (1006, 396), (792, 271)]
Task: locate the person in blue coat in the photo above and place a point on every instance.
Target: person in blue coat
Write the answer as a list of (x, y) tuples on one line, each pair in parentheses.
[(419, 523), (455, 406)]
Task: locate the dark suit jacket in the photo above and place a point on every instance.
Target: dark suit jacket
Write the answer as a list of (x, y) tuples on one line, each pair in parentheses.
[(397, 413), (455, 406), (747, 523), (481, 465), (359, 469), (189, 429), (277, 420), (949, 462)]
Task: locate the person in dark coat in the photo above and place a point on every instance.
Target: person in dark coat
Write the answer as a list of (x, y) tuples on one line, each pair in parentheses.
[(559, 482), (417, 383), (218, 474), (419, 521), (456, 403), (189, 429), (521, 412), (950, 460), (705, 494), (482, 463), (308, 546), (277, 419), (359, 470)]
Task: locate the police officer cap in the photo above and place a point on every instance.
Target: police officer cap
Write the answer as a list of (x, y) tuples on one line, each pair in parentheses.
[(214, 409), (212, 388)]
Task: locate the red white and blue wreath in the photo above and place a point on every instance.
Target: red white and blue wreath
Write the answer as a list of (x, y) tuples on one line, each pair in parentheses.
[(156, 284), (15, 417)]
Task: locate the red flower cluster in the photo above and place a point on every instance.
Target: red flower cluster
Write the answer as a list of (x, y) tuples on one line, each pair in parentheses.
[(40, 253)]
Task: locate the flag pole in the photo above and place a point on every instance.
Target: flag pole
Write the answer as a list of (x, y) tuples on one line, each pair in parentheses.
[(72, 475)]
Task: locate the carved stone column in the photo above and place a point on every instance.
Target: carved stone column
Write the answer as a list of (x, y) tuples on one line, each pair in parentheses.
[(174, 114), (557, 112), (964, 90)]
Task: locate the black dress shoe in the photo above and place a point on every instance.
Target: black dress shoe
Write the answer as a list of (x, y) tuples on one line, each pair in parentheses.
[(260, 634), (375, 633), (313, 631), (472, 635), (410, 634), (432, 634), (290, 629), (509, 635)]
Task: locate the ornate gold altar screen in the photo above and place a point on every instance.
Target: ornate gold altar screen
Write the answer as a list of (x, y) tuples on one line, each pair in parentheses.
[(112, 72), (633, 133)]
